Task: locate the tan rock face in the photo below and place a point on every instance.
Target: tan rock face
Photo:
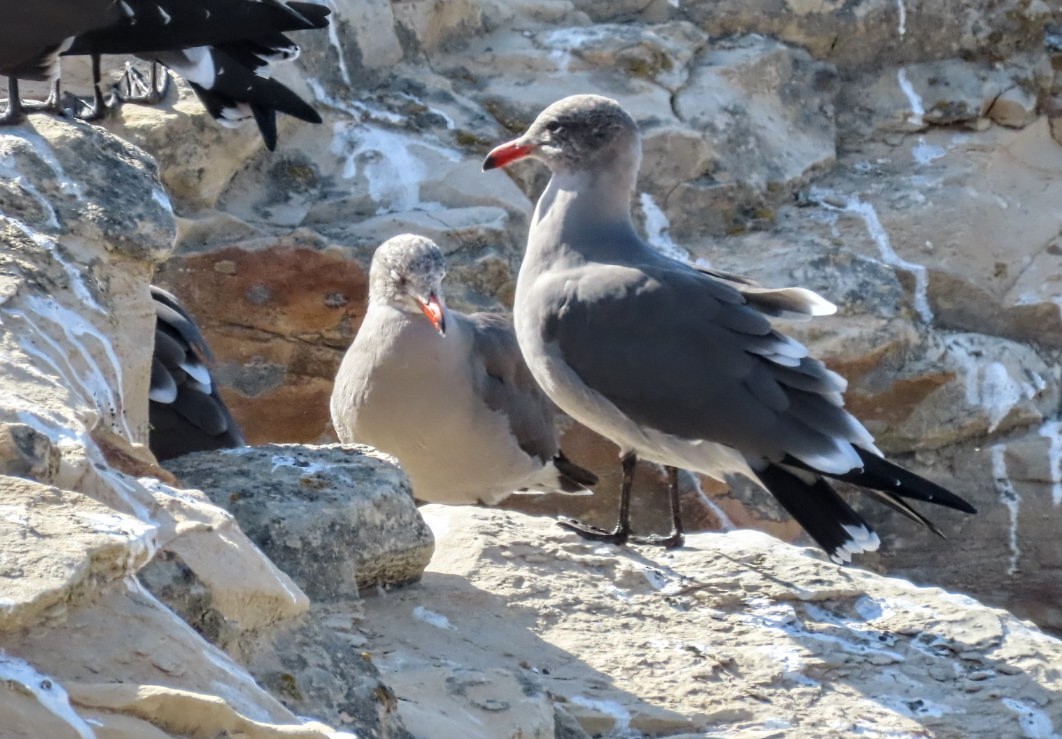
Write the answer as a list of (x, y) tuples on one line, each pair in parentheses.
[(635, 640)]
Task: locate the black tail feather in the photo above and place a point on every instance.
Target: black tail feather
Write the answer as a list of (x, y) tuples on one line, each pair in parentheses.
[(266, 118), (900, 506), (880, 474), (573, 477), (823, 513)]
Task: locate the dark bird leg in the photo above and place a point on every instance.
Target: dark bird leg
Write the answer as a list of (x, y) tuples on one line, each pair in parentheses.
[(15, 113), (133, 88), (622, 532), (675, 538), (101, 105)]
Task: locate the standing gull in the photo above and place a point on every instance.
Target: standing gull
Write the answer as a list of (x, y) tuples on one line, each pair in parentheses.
[(678, 365), (446, 393)]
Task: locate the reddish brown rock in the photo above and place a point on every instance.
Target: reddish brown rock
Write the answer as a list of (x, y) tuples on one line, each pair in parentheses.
[(278, 313)]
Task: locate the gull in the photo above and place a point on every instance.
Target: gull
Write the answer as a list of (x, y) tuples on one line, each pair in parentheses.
[(678, 365)]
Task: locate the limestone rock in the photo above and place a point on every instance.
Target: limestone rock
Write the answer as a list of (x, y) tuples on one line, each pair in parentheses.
[(90, 547), (640, 641), (25, 452), (945, 93), (206, 545), (334, 518), (766, 113), (155, 669), (197, 158), (878, 32), (318, 666), (78, 245)]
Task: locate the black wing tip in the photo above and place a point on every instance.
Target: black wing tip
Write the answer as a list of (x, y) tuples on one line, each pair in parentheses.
[(578, 478), (881, 474)]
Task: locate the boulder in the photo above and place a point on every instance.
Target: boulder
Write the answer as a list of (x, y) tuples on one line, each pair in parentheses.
[(335, 518)]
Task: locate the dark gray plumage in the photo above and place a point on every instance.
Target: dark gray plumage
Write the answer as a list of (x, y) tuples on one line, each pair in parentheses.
[(186, 411), (449, 396), (34, 32), (224, 48), (677, 364)]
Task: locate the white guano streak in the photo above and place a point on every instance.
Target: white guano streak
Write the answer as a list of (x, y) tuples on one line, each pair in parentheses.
[(880, 236), (1051, 431), (657, 229), (47, 691), (1008, 495), (918, 111)]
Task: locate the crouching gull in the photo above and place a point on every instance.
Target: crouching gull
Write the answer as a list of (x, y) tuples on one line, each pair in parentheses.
[(186, 412), (446, 393), (223, 48), (678, 365)]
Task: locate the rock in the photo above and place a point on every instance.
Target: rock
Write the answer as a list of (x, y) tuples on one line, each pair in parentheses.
[(197, 158), (199, 554), (148, 665), (336, 519), (90, 547), (434, 25), (742, 99), (674, 643), (944, 93), (67, 226), (318, 666), (879, 32), (25, 452), (82, 221), (279, 314)]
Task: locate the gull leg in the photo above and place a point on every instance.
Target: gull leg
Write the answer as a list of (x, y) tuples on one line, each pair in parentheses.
[(15, 113), (622, 532), (675, 538), (101, 105), (139, 90)]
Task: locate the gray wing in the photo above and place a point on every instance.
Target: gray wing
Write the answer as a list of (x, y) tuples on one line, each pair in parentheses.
[(505, 383), (797, 303), (692, 355)]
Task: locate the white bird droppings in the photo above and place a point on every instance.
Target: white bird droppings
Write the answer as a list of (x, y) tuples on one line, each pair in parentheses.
[(432, 618), (880, 236), (46, 690), (1051, 432), (918, 111), (1008, 495), (656, 230)]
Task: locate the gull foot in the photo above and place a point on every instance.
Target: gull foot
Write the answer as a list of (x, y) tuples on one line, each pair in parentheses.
[(595, 533)]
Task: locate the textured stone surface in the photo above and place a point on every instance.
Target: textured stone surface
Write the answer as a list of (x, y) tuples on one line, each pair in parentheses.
[(733, 634), (86, 650), (336, 518), (91, 547)]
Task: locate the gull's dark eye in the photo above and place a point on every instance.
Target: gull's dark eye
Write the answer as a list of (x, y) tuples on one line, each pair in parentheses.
[(553, 126)]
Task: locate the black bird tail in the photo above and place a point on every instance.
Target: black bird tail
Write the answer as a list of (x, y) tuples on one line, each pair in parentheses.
[(573, 478), (879, 473), (186, 411), (821, 511)]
